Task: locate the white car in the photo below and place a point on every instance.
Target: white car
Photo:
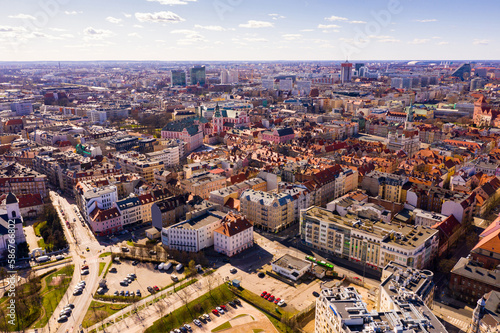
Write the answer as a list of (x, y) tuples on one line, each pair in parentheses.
[(281, 303), (220, 310)]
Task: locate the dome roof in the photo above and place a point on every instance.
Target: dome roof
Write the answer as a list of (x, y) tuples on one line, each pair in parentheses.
[(11, 198)]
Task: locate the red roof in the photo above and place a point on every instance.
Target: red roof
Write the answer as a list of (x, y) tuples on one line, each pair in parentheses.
[(29, 200), (13, 122)]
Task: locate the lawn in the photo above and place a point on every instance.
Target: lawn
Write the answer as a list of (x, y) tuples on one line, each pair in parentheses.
[(224, 326), (185, 314), (105, 254), (184, 285), (37, 228), (101, 267), (99, 311), (53, 294)]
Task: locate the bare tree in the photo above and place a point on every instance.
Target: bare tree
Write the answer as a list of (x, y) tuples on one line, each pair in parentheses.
[(184, 296)]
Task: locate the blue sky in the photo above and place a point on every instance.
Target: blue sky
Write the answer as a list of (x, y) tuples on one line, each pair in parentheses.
[(248, 30)]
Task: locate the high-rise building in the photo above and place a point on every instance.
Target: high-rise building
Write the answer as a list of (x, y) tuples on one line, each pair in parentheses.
[(229, 77), (198, 75), (462, 72), (346, 72), (358, 65), (178, 77)]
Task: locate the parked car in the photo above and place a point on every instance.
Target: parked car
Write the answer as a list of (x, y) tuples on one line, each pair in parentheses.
[(85, 272), (261, 275), (264, 293), (281, 303), (197, 322), (71, 305), (271, 298), (156, 288), (124, 283), (188, 327), (237, 301), (215, 312), (113, 270), (116, 293), (221, 311), (233, 270), (62, 319), (206, 316), (277, 300), (132, 294), (223, 307), (135, 262), (125, 249), (151, 290), (122, 293), (138, 293), (232, 304), (127, 293)]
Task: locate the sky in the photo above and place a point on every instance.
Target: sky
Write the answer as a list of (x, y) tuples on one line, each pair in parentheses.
[(253, 30)]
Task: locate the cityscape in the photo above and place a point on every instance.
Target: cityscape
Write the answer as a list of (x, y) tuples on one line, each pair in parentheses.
[(234, 166)]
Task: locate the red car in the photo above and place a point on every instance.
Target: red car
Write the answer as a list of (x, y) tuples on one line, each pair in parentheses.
[(271, 298), (267, 296), (215, 312), (277, 300), (264, 293), (223, 307), (156, 288)]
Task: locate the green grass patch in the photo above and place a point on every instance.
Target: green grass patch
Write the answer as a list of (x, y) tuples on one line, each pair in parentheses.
[(41, 243), (224, 326), (39, 226), (130, 243), (98, 311), (194, 309), (54, 292), (101, 267), (242, 315), (208, 272), (257, 330), (105, 254), (184, 285)]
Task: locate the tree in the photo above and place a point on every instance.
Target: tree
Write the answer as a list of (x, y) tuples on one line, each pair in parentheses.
[(191, 269)]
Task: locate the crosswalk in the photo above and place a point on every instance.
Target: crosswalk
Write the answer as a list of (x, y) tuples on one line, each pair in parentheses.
[(458, 323)]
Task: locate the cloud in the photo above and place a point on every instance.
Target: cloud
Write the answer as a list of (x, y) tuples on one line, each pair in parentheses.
[(172, 2), (481, 41), (276, 16), (191, 38), (210, 27), (443, 43), (23, 17), (159, 17), (74, 12), (134, 34), (256, 24), (426, 21), (114, 20), (137, 26), (419, 41), (389, 40), (92, 33), (336, 18), (127, 15), (256, 40), (357, 22), (183, 31), (328, 26), (67, 36), (291, 36), (307, 30), (58, 29)]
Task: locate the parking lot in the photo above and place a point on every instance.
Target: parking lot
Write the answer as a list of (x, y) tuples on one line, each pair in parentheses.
[(146, 276)]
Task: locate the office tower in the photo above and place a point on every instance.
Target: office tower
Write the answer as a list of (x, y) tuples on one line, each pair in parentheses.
[(268, 83), (358, 65), (362, 71), (224, 76), (462, 72), (178, 77), (198, 75), (346, 72), (476, 83), (286, 84), (228, 77)]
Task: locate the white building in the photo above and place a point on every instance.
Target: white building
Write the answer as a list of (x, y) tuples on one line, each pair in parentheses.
[(427, 219), (170, 156), (9, 212), (130, 209), (286, 84), (194, 234), (88, 198), (98, 117), (21, 108), (291, 267), (234, 235), (268, 84)]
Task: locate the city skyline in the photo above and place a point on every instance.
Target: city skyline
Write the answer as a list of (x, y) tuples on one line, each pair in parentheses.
[(237, 30)]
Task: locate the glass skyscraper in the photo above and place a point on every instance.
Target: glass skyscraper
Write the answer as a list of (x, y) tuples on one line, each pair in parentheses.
[(198, 75), (178, 78)]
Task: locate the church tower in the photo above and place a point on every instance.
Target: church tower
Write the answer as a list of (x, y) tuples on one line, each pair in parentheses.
[(12, 206)]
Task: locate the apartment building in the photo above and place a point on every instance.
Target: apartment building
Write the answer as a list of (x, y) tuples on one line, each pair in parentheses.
[(203, 183), (105, 221), (168, 211), (21, 180), (234, 191), (234, 235), (133, 162), (269, 211), (146, 200), (342, 310), (130, 209), (373, 243), (89, 197), (193, 234)]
